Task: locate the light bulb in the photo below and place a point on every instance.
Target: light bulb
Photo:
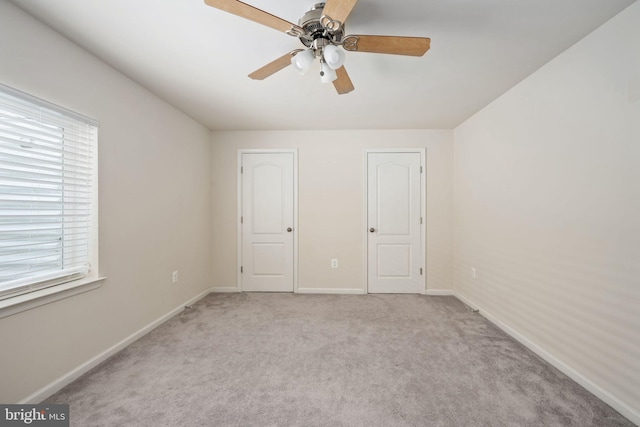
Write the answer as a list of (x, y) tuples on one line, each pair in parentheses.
[(303, 60), (333, 56)]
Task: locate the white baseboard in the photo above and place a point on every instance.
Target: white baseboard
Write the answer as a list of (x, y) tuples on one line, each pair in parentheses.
[(439, 292), (466, 301), (335, 291), (224, 290), (624, 409), (71, 376)]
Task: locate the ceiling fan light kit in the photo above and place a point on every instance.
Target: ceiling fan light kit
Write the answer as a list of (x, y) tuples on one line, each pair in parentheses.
[(302, 61), (327, 74), (335, 57), (321, 31)]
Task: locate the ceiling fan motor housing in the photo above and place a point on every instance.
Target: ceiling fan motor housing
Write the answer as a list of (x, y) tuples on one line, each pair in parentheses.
[(315, 34)]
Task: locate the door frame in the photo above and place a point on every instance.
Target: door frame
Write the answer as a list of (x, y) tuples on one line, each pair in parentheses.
[(423, 212), (239, 236)]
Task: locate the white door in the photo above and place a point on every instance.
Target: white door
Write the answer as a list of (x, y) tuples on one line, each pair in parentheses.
[(267, 222), (395, 261)]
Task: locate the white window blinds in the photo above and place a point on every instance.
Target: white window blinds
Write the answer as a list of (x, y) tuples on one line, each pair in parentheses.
[(47, 155)]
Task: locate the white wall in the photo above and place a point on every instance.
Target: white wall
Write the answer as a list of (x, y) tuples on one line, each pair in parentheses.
[(331, 183), (155, 208), (547, 208)]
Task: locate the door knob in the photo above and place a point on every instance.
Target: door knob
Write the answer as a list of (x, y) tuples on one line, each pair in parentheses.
[(372, 229), (289, 229)]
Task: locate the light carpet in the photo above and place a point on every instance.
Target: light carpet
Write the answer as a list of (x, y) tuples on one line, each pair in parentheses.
[(255, 359)]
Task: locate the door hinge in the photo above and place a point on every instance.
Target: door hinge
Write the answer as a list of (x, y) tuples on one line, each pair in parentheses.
[(242, 220), (241, 269), (421, 271), (242, 169), (420, 169), (420, 220)]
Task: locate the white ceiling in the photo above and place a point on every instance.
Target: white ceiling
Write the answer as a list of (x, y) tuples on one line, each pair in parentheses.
[(198, 58)]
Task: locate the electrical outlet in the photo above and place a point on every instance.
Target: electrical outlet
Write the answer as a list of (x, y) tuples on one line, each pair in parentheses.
[(175, 276), (473, 272), (334, 263)]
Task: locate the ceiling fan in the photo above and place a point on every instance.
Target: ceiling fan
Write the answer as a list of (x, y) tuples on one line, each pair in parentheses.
[(322, 31)]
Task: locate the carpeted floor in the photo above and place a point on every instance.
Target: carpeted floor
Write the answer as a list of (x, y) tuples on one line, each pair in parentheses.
[(329, 360)]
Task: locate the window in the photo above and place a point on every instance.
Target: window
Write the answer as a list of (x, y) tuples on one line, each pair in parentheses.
[(48, 199)]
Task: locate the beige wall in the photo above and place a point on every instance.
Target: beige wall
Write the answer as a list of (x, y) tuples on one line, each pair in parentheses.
[(155, 208), (331, 221), (547, 209)]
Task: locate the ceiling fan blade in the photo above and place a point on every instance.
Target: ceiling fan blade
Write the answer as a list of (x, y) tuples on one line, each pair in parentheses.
[(274, 66), (343, 83), (412, 46), (249, 12), (338, 10)]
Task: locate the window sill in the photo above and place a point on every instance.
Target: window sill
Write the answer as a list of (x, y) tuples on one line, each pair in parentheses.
[(15, 305)]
